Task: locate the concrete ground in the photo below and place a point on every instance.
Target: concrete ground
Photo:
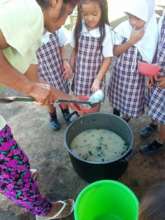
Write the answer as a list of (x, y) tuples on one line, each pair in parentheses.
[(46, 152)]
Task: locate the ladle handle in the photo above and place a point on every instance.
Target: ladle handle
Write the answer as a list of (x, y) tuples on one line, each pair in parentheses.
[(9, 99), (73, 101)]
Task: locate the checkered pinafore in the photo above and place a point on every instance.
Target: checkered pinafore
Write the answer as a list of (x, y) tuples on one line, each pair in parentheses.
[(126, 89), (88, 61), (50, 64), (157, 99)]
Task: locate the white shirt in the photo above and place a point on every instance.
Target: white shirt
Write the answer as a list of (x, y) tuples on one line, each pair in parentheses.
[(147, 45), (107, 42), (62, 34), (21, 22)]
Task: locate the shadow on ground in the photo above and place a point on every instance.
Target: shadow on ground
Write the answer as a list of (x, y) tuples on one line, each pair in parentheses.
[(46, 152)]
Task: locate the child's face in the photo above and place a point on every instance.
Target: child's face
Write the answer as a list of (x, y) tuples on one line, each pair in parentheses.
[(136, 22), (67, 10), (91, 13), (56, 15)]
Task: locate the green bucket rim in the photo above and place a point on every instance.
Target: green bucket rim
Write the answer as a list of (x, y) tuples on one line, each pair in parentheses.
[(87, 188)]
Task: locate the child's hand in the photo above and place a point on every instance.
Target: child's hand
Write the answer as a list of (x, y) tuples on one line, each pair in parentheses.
[(68, 73), (95, 85), (136, 36), (150, 82), (161, 82)]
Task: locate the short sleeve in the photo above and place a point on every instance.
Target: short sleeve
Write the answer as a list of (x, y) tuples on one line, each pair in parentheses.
[(63, 36), (108, 42), (119, 32), (24, 25), (34, 59), (22, 30)]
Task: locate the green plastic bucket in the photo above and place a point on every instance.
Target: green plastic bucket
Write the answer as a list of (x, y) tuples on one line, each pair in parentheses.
[(106, 200)]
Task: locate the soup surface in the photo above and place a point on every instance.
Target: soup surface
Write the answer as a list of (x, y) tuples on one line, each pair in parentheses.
[(98, 145)]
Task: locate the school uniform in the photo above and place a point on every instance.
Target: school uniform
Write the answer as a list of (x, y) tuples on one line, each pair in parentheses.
[(89, 58), (157, 98), (126, 88), (50, 60)]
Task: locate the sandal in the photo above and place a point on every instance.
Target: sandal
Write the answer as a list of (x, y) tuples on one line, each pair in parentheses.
[(65, 210), (34, 173), (148, 130), (151, 149)]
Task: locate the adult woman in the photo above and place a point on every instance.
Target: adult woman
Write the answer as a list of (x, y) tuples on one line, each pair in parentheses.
[(22, 24)]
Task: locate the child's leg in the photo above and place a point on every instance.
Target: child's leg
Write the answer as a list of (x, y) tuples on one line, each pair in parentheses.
[(116, 112), (54, 123), (65, 112), (16, 181), (126, 118)]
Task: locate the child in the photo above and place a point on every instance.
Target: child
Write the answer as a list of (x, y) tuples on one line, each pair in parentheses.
[(134, 42), (92, 43), (152, 204), (157, 98), (53, 65)]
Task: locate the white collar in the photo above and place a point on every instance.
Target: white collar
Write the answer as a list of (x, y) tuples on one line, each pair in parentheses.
[(93, 32), (45, 37)]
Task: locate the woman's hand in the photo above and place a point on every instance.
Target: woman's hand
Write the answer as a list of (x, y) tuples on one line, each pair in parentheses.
[(42, 93), (47, 95), (96, 85)]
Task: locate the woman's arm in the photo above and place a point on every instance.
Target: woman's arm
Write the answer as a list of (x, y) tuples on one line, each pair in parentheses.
[(12, 78), (101, 74), (32, 73)]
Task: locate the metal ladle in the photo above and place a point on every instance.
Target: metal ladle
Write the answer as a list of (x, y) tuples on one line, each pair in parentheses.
[(95, 98)]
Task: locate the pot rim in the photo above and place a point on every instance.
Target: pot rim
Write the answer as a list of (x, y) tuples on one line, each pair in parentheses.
[(130, 148)]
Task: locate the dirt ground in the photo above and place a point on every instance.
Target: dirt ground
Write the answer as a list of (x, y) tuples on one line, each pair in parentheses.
[(46, 152)]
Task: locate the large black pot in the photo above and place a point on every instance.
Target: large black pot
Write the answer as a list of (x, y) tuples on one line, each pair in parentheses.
[(92, 171)]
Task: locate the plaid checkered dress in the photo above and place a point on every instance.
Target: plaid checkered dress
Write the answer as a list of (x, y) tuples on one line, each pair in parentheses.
[(126, 88), (157, 99), (88, 61), (50, 64)]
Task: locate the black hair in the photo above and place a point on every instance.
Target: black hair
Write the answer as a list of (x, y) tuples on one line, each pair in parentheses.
[(46, 3), (104, 20)]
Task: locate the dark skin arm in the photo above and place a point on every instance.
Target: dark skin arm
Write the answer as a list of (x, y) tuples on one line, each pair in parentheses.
[(24, 83)]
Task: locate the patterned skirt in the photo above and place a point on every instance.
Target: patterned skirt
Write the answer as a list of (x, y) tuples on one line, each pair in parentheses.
[(88, 61), (50, 64), (157, 96), (16, 181), (126, 88)]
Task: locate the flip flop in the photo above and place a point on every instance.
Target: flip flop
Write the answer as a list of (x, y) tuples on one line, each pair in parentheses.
[(65, 205), (34, 173)]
